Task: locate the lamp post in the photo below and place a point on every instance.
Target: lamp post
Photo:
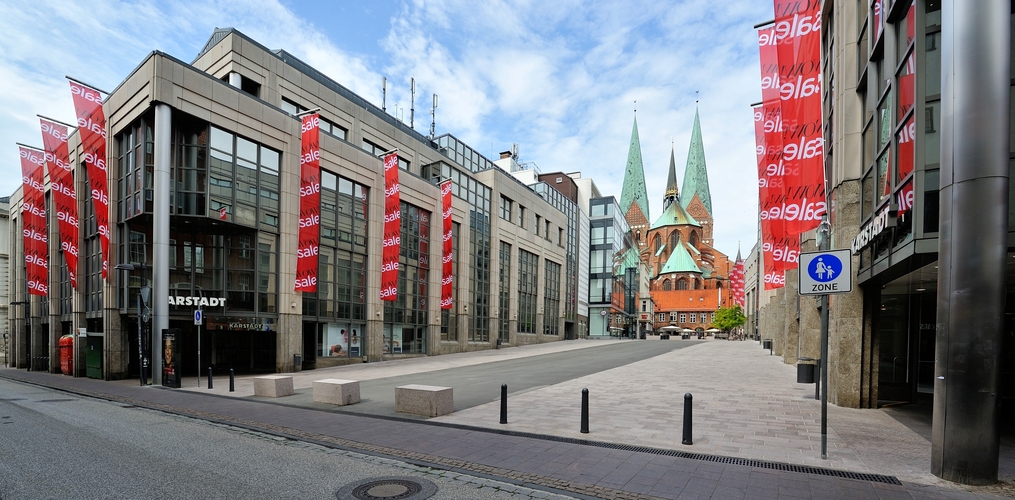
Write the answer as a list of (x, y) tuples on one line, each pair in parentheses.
[(143, 315)]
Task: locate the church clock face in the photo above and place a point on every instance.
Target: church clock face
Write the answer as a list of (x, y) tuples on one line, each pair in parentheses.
[(697, 211)]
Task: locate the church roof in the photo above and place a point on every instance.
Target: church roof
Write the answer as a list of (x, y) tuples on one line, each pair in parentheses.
[(680, 261), (634, 177), (674, 215), (695, 173)]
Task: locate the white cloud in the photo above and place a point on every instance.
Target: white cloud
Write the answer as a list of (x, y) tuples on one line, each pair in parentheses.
[(558, 78)]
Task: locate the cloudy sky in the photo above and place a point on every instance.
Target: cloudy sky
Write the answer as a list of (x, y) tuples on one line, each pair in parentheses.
[(560, 79)]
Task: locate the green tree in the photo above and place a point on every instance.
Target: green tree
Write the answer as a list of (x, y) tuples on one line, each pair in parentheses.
[(728, 318)]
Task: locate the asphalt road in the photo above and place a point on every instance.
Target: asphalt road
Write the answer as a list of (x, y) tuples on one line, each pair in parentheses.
[(58, 445), (480, 384)]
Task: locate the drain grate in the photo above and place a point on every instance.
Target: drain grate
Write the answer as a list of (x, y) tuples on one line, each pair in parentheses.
[(388, 488), (761, 464)]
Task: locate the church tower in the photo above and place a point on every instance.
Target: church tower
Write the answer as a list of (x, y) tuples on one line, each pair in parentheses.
[(697, 199), (672, 194), (633, 196)]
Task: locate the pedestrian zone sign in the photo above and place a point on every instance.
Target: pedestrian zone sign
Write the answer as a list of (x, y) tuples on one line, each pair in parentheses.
[(198, 317), (830, 271)]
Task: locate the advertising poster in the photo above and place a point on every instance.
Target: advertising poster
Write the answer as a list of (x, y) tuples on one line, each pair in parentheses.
[(170, 361)]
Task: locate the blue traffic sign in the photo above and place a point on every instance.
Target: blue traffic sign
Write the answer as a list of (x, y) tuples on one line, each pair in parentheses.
[(825, 268), (198, 317), (829, 271)]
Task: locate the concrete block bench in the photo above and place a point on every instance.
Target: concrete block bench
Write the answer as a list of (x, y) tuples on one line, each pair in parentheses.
[(427, 400), (336, 391), (273, 386)]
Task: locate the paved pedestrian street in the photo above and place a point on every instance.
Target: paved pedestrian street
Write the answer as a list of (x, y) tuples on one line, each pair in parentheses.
[(756, 432)]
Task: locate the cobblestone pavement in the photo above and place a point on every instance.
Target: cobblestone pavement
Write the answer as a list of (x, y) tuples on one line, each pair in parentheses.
[(746, 404)]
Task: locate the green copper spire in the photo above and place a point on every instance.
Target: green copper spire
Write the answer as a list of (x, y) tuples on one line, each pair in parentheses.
[(634, 177), (695, 174), (672, 193)]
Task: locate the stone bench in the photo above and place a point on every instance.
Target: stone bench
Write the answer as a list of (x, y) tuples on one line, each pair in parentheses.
[(273, 386), (336, 391), (427, 400)]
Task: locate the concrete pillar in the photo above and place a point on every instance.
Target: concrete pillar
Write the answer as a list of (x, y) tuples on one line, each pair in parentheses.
[(160, 235), (976, 108)]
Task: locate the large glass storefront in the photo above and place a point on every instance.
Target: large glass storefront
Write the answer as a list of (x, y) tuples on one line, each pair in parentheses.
[(223, 242)]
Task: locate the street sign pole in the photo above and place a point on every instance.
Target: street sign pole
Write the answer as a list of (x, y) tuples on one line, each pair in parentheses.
[(824, 234), (822, 273), (198, 320)]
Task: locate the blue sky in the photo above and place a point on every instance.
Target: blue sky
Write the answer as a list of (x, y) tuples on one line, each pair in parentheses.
[(557, 78)]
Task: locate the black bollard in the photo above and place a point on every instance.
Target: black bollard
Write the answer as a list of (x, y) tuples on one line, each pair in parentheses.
[(503, 403), (687, 420), (232, 387), (585, 411), (209, 377)]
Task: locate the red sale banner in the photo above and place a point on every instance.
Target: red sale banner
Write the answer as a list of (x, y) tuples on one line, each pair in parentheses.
[(33, 218), (309, 232), (92, 127), (447, 279), (737, 283), (780, 247), (61, 182), (391, 243), (797, 34)]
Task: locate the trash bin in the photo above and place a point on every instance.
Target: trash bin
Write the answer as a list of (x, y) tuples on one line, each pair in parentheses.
[(67, 354), (297, 362), (767, 344), (805, 369)]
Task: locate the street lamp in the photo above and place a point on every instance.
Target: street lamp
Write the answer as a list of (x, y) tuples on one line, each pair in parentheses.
[(143, 314)]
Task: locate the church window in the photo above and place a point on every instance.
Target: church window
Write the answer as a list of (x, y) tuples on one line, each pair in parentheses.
[(682, 284), (694, 239), (667, 286), (674, 239), (657, 242)]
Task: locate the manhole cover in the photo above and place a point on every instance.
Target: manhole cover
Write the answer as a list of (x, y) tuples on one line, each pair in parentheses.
[(388, 488)]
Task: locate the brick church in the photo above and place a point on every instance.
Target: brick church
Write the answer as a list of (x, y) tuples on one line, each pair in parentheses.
[(689, 278)]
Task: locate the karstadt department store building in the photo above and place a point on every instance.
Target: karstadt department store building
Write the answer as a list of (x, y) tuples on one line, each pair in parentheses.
[(223, 132), (919, 163)]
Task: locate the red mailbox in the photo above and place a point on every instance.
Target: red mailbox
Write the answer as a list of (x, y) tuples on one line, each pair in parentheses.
[(67, 354)]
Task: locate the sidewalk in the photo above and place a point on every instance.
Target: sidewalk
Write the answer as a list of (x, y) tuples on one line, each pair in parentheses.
[(754, 410)]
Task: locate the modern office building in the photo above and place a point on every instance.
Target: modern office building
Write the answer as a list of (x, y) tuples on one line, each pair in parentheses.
[(918, 158), (227, 125), (561, 191)]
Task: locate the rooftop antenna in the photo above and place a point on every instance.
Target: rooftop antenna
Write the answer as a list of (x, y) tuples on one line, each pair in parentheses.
[(514, 151), (433, 118), (384, 94), (412, 103)]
